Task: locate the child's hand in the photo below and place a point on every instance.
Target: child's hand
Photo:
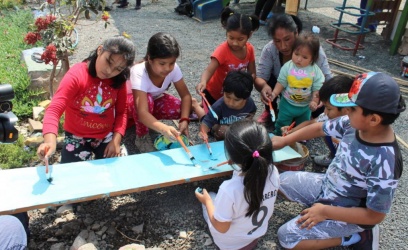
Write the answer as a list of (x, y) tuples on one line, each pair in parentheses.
[(266, 94), (112, 150), (46, 149), (200, 87), (285, 131), (310, 217), (313, 105), (183, 128), (203, 135), (278, 142), (170, 133), (203, 197)]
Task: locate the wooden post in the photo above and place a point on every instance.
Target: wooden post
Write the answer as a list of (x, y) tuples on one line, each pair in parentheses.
[(400, 30)]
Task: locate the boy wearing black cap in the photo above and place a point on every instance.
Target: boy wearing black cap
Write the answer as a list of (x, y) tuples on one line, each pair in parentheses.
[(347, 202)]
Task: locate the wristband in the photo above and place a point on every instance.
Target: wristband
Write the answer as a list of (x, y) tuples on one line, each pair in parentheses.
[(184, 119)]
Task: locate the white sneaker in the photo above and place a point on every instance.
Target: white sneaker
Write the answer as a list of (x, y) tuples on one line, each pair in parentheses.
[(144, 144)]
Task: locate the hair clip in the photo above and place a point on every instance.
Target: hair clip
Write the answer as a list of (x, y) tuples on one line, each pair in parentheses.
[(255, 154)]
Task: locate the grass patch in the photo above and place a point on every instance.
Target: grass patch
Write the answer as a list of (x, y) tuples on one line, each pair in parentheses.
[(14, 25)]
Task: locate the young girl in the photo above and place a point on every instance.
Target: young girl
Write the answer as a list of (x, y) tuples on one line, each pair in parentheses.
[(241, 210), (300, 80), (93, 96), (234, 54), (149, 101)]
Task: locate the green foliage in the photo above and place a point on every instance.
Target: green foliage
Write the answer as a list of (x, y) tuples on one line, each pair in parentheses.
[(13, 27), (6, 4), (14, 155)]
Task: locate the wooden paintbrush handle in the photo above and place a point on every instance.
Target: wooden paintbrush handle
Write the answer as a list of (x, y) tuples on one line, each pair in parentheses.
[(182, 144)]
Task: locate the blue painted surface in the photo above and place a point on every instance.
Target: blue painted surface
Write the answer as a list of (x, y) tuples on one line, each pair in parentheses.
[(26, 188)]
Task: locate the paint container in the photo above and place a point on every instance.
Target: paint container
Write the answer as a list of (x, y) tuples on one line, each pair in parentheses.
[(404, 67), (296, 164)]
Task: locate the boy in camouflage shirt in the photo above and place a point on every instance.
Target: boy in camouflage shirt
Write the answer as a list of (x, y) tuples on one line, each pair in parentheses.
[(347, 202)]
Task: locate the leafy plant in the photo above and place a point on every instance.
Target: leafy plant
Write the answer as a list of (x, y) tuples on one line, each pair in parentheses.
[(13, 25), (16, 155)]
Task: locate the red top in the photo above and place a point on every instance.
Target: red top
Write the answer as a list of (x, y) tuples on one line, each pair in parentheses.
[(228, 62), (92, 107)]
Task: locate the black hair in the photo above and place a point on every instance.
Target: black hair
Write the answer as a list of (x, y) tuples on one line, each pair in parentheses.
[(242, 139), (335, 85), (162, 45), (232, 21), (387, 118), (310, 41), (288, 22), (117, 45), (240, 83)]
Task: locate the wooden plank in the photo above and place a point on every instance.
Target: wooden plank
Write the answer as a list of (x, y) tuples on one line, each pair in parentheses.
[(24, 189)]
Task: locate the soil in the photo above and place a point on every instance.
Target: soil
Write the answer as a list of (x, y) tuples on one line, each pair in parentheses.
[(166, 212)]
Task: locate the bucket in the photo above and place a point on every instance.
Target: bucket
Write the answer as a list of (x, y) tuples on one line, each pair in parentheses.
[(404, 67), (296, 164)]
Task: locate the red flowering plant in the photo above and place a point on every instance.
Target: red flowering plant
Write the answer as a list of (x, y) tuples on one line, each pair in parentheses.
[(56, 30)]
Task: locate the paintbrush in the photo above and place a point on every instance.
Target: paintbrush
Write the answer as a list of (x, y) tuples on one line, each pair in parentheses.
[(290, 128), (187, 151), (209, 106), (47, 171), (273, 117), (219, 164), (206, 142)]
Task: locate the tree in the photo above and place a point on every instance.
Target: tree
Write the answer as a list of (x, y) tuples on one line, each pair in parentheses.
[(56, 31)]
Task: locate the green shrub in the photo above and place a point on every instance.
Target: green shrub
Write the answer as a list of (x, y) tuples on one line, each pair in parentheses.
[(15, 155), (6, 4), (13, 27)]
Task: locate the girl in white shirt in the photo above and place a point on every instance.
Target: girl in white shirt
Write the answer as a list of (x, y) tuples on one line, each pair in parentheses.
[(149, 102), (239, 214)]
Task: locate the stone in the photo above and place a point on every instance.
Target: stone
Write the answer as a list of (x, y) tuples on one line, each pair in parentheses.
[(36, 113), (60, 220), (183, 234), (111, 231), (44, 210), (208, 242), (133, 247), (71, 228), (88, 246), (58, 246), (96, 227), (44, 103), (138, 229), (102, 231), (70, 216), (67, 208), (78, 242), (34, 126), (88, 221)]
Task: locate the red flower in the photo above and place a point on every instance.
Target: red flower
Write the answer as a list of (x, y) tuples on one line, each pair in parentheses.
[(32, 37), (105, 16), (43, 22), (51, 1), (50, 54)]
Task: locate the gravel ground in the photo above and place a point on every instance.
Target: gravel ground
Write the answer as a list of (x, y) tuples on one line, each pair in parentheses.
[(172, 217)]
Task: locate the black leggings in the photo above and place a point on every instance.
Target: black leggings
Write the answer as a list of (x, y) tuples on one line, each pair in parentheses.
[(264, 6)]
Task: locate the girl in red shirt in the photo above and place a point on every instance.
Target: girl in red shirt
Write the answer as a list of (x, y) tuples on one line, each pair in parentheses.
[(93, 96), (235, 54)]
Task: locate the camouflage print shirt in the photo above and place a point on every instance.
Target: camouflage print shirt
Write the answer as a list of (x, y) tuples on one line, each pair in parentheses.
[(361, 174)]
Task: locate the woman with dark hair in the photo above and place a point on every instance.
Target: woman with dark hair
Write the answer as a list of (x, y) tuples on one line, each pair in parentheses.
[(283, 29)]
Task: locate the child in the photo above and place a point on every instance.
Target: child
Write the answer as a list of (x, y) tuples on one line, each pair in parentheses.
[(235, 54), (235, 105), (149, 101), (93, 96), (300, 80), (357, 190), (336, 85), (240, 212)]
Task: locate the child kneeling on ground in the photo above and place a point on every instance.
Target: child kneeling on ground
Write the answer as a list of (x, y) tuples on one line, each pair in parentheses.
[(239, 214), (236, 104), (347, 202)]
